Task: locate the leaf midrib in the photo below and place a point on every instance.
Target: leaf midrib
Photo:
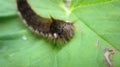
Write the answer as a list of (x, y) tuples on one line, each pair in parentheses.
[(97, 33), (92, 4)]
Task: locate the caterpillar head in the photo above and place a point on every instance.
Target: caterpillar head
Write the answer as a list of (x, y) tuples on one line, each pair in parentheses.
[(62, 30)]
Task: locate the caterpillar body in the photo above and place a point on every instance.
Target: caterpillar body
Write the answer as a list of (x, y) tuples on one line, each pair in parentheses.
[(49, 28)]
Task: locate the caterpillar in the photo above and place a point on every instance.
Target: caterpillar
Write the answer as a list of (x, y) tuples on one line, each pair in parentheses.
[(50, 28)]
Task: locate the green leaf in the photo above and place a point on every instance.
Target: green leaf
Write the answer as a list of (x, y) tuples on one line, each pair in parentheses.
[(7, 8), (96, 29)]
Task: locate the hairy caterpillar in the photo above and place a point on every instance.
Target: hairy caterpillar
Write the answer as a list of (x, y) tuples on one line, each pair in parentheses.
[(49, 28)]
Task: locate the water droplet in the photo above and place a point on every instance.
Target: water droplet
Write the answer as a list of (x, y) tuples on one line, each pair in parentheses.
[(24, 37), (12, 54)]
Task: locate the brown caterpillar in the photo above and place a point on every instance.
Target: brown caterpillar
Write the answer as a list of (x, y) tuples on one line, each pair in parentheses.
[(52, 29)]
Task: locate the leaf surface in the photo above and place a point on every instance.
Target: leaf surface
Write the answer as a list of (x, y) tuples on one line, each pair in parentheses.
[(96, 28)]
